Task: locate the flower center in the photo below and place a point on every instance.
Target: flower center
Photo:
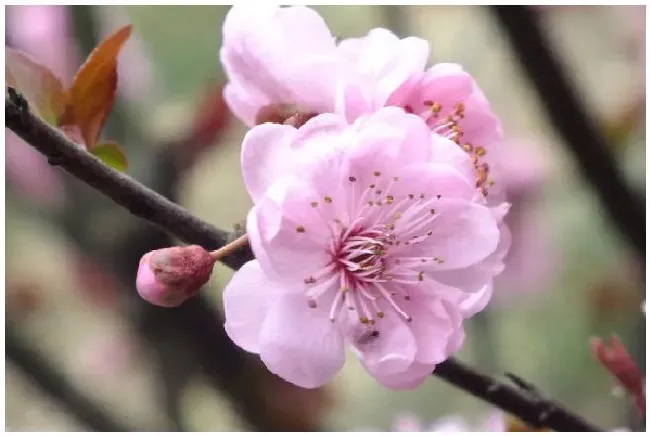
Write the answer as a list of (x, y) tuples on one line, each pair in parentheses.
[(375, 259)]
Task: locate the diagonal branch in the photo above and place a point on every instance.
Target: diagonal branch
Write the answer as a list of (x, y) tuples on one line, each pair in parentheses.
[(149, 205), (522, 400), (122, 189), (564, 110), (54, 384)]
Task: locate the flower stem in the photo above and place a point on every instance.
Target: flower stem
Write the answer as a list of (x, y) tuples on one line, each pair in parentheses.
[(230, 248)]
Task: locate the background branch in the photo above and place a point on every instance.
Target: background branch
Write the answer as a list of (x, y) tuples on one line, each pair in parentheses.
[(56, 386), (147, 204), (583, 140)]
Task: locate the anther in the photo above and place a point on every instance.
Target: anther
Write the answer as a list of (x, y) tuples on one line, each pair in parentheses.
[(300, 229), (328, 200)]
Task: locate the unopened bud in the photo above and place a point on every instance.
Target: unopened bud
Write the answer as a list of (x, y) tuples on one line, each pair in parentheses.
[(169, 276)]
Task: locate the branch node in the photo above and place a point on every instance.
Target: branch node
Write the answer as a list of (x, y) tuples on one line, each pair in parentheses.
[(18, 99)]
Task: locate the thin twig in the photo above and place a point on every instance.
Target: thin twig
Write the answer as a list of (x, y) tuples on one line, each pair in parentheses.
[(175, 220), (572, 121)]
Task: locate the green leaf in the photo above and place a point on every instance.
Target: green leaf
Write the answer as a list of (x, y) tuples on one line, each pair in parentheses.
[(111, 154)]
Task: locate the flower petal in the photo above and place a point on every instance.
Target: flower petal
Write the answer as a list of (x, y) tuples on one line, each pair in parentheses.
[(464, 234), (285, 230), (411, 378), (265, 156), (384, 61), (247, 299), (275, 55), (301, 344), (432, 326), (390, 352)]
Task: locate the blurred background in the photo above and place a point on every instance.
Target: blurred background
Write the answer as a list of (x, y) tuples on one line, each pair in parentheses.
[(83, 352)]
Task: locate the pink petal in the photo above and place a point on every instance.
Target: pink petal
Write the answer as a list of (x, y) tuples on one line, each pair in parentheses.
[(247, 299), (242, 104), (383, 61), (465, 234), (265, 156), (410, 378), (275, 55), (432, 325), (271, 150), (391, 352), (446, 151), (476, 302), (301, 344), (283, 223), (432, 179)]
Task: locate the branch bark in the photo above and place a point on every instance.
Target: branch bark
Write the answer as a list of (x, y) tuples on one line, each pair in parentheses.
[(147, 204)]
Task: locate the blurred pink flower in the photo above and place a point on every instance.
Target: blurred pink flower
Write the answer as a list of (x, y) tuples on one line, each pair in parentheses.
[(44, 33), (107, 356), (410, 422), (367, 235), (30, 173), (532, 258), (286, 59)]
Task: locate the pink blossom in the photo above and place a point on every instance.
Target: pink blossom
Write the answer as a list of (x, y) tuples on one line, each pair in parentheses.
[(409, 422), (531, 260), (45, 32), (366, 235), (169, 276), (31, 174), (286, 59), (277, 55)]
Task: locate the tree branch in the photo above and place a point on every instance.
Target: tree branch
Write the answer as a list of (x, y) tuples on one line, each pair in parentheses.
[(122, 189), (571, 120), (55, 385), (175, 220), (522, 401)]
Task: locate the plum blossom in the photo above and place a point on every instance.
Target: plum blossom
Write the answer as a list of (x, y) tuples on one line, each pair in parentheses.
[(495, 421), (532, 258), (284, 61), (366, 235)]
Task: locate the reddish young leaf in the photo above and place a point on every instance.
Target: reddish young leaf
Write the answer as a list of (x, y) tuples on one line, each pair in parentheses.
[(111, 154), (38, 84), (618, 362), (93, 88)]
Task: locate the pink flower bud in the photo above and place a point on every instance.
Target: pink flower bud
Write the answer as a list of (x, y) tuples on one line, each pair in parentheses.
[(169, 276)]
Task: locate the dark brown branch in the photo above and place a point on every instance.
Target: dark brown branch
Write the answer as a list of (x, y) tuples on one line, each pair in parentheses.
[(572, 121), (122, 189), (175, 220), (522, 400)]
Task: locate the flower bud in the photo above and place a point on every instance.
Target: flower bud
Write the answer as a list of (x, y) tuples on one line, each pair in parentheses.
[(169, 276)]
